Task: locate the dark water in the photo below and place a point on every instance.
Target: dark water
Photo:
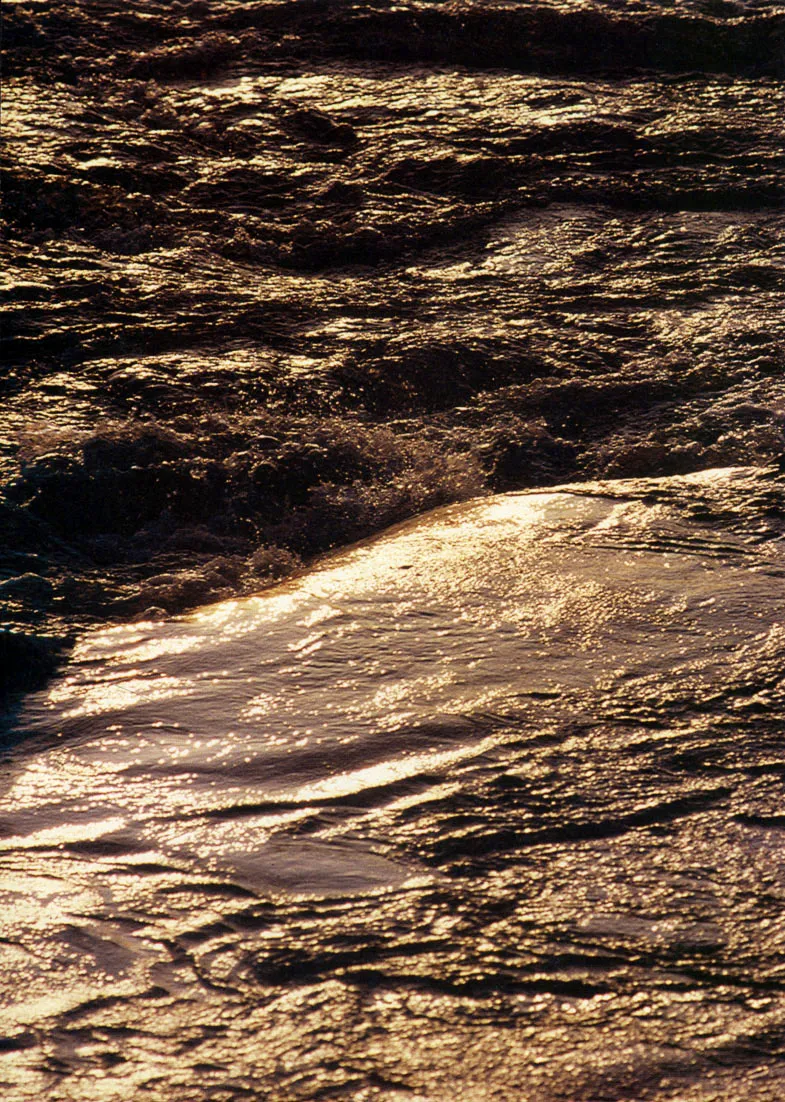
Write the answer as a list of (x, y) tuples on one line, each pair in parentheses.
[(279, 275)]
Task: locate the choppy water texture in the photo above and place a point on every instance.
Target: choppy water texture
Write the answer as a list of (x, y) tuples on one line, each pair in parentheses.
[(282, 274), (491, 808)]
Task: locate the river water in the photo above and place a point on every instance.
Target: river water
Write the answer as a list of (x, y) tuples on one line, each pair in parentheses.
[(490, 805)]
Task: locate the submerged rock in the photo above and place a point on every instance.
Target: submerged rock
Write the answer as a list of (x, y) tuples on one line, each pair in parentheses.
[(27, 661)]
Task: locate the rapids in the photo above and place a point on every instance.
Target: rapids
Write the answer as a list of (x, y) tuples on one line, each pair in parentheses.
[(495, 795), (488, 806), (282, 274)]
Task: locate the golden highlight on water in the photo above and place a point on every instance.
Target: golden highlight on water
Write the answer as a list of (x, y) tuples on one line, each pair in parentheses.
[(392, 577)]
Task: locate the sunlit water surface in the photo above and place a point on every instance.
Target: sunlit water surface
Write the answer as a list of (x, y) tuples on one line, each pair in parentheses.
[(492, 807), (509, 686)]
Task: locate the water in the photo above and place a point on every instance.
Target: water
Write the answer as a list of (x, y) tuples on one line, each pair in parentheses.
[(510, 774), (492, 803), (280, 275)]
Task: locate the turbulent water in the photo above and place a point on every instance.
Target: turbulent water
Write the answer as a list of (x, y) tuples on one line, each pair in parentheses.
[(281, 274), (493, 805)]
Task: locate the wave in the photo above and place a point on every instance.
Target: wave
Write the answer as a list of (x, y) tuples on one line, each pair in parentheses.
[(738, 38), (507, 768)]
